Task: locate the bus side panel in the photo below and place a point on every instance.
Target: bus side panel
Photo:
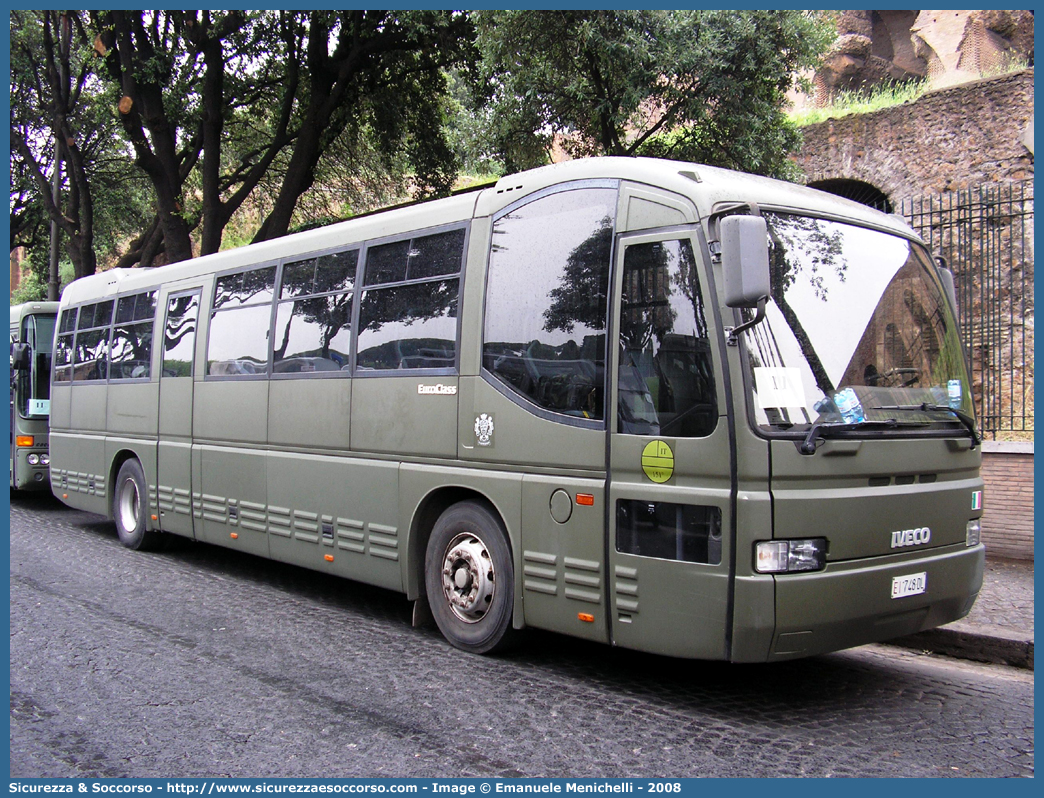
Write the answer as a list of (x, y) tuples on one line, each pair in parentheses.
[(337, 515), (310, 413), (81, 481), (88, 406), (131, 409), (418, 482), (391, 415), (61, 405), (754, 595), (232, 504), (230, 423), (563, 555)]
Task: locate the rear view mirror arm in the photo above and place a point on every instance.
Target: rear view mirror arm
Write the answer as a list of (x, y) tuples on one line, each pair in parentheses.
[(732, 333)]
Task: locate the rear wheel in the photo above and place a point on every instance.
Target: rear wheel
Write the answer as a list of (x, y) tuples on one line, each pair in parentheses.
[(469, 578), (129, 505)]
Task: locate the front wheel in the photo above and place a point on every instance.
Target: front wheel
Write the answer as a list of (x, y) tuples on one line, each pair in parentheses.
[(469, 578), (129, 505)]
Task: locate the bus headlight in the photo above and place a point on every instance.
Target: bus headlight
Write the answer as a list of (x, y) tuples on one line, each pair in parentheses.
[(974, 533), (787, 556), (33, 459), (45, 459)]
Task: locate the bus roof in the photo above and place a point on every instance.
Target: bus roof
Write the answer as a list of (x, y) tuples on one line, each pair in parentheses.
[(708, 187), (18, 312)]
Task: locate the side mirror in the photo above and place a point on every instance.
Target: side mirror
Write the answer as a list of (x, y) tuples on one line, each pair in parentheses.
[(21, 357), (745, 261), (946, 278)]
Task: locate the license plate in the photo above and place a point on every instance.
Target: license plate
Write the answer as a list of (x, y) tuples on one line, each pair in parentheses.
[(910, 585)]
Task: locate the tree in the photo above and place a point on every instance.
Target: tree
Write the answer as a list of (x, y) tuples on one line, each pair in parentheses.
[(707, 86), (50, 76), (375, 75), (216, 104)]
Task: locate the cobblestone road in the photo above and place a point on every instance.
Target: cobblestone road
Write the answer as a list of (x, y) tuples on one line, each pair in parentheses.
[(202, 662)]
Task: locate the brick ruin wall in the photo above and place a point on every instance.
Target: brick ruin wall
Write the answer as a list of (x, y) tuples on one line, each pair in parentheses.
[(1007, 521), (949, 139)]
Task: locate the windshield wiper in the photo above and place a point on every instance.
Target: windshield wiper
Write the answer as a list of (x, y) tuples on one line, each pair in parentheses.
[(925, 407), (821, 430)]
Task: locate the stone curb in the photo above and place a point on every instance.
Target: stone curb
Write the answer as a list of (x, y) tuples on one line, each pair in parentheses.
[(974, 642)]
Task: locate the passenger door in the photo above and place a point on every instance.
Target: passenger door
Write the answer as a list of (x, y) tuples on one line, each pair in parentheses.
[(669, 484), (180, 319)]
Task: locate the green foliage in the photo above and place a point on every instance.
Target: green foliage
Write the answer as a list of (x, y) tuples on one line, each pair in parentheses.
[(33, 286), (706, 86), (847, 103)]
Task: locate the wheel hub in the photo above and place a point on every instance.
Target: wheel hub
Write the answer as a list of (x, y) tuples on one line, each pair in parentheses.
[(468, 579), (130, 505)]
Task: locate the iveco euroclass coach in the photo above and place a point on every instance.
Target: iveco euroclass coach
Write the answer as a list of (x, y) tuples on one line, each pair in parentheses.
[(654, 404)]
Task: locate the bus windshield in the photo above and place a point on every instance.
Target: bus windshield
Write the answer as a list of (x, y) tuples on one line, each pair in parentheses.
[(34, 386), (858, 330)]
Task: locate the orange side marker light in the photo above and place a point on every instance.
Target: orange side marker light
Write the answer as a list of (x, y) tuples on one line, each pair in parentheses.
[(328, 557), (585, 499), (235, 536), (586, 617)]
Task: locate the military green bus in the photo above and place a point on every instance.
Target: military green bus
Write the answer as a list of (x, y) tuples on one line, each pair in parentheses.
[(654, 404), (32, 336)]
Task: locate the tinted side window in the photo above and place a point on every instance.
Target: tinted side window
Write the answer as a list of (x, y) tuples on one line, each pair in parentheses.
[(238, 344), (63, 355), (546, 302), (179, 335), (245, 288), (240, 322), (313, 328), (90, 355), (666, 379), (130, 355), (91, 347), (409, 327), (413, 324), (68, 323)]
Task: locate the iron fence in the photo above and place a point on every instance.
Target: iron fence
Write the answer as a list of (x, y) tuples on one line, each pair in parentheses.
[(986, 235)]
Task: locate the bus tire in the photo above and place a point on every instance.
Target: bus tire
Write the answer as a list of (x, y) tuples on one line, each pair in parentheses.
[(469, 578), (129, 508)]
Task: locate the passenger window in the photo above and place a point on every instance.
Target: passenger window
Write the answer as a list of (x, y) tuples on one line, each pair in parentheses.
[(68, 323), (411, 325), (245, 288), (179, 335), (90, 355), (130, 356), (240, 322), (545, 327), (63, 356), (238, 344), (313, 330), (90, 352), (420, 258), (666, 377)]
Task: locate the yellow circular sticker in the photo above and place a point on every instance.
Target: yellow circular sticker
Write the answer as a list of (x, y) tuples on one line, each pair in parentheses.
[(658, 461)]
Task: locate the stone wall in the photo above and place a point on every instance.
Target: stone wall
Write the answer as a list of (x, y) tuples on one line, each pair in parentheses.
[(1007, 521), (949, 139)]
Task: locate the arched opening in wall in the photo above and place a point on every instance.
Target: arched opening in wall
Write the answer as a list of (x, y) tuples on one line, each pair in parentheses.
[(855, 190)]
